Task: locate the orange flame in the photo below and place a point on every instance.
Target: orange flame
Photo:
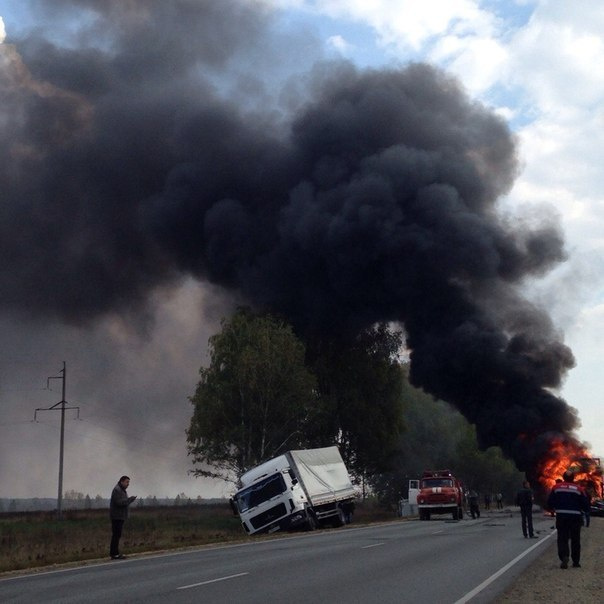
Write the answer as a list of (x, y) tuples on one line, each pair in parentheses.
[(565, 455)]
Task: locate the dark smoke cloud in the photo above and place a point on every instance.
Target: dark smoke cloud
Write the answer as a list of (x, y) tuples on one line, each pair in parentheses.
[(142, 157)]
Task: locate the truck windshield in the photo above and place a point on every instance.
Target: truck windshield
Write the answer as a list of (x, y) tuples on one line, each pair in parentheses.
[(263, 491), (430, 483)]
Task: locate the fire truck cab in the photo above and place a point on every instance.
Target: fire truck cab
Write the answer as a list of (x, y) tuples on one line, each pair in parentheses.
[(440, 493)]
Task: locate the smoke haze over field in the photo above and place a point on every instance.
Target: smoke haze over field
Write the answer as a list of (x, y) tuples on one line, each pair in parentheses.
[(144, 143)]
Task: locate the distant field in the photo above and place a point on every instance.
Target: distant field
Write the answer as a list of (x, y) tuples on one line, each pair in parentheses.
[(34, 539)]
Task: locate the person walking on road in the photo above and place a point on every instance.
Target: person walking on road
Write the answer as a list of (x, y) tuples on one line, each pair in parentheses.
[(524, 500), (118, 512), (571, 504)]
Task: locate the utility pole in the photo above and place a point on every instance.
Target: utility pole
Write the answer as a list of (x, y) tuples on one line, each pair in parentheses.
[(62, 403)]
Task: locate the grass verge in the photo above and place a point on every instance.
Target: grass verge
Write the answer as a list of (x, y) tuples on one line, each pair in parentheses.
[(36, 539)]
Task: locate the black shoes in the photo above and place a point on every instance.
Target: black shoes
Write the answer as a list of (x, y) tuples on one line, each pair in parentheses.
[(118, 557), (576, 565), (564, 563)]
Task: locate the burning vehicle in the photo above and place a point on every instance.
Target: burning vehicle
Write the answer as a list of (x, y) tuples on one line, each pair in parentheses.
[(587, 471)]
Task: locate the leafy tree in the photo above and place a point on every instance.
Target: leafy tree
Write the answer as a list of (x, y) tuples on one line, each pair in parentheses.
[(437, 436), (254, 400), (360, 385), (487, 471)]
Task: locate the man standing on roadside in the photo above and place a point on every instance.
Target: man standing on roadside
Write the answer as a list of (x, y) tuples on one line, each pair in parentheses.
[(570, 502), (474, 505), (118, 511), (524, 499)]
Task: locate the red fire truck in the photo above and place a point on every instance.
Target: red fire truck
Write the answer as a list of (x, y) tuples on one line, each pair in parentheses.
[(440, 493)]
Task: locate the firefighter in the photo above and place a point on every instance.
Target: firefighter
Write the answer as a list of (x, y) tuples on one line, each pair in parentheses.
[(524, 499), (474, 507), (571, 504)]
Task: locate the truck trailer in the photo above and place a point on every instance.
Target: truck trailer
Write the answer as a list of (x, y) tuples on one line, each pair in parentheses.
[(297, 490)]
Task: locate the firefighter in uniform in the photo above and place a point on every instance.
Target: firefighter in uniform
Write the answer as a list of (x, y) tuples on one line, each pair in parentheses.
[(571, 504)]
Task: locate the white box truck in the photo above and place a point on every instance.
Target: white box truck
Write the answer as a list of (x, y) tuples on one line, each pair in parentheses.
[(299, 489)]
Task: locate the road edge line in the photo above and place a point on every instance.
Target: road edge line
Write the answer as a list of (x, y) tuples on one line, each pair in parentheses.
[(500, 572)]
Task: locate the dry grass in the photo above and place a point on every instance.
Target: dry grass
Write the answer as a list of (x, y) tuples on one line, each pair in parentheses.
[(35, 539)]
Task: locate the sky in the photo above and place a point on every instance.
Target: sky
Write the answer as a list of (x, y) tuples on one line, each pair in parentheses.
[(133, 343)]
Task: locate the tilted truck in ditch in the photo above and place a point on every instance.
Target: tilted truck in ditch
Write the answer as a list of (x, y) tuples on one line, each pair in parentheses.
[(299, 489), (440, 493)]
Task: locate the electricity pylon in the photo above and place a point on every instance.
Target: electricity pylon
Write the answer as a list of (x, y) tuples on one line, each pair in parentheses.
[(55, 407)]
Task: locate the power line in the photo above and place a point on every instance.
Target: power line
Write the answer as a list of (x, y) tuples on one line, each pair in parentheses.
[(55, 407)]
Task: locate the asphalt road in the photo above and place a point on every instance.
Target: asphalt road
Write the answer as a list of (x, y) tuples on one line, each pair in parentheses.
[(404, 561)]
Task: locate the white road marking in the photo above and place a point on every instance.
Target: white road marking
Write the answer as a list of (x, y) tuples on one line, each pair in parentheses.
[(212, 581), (500, 572), (372, 545)]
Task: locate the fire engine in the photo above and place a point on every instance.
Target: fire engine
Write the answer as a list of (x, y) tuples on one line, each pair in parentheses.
[(440, 493)]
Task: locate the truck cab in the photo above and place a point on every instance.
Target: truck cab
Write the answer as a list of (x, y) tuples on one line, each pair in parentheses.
[(299, 489), (440, 493), (273, 501)]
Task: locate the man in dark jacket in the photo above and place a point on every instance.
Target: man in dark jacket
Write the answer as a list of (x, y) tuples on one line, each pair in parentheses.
[(474, 506), (118, 511), (571, 503), (524, 499)]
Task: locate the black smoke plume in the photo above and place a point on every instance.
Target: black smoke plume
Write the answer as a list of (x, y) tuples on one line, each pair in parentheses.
[(364, 196)]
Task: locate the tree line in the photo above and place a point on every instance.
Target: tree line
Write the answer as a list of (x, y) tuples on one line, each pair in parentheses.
[(266, 391)]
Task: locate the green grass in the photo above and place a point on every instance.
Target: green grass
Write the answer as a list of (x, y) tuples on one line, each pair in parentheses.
[(35, 539)]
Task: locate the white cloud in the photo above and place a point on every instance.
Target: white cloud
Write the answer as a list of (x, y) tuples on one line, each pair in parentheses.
[(554, 61), (339, 44), (405, 23), (2, 31), (556, 57), (477, 61)]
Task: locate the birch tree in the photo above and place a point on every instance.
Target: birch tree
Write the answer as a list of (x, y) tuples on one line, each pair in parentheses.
[(254, 399)]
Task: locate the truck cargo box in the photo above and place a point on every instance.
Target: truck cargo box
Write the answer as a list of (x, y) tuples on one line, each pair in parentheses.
[(322, 474)]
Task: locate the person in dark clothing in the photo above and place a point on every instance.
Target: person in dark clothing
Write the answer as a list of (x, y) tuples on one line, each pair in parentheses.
[(487, 502), (474, 506), (348, 509), (118, 512), (571, 504), (524, 499)]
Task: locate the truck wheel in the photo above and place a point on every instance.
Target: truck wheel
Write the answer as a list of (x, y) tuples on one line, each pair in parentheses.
[(339, 519), (311, 523), (460, 513)]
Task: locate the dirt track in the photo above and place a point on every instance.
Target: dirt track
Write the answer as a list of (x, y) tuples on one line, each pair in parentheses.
[(544, 581)]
